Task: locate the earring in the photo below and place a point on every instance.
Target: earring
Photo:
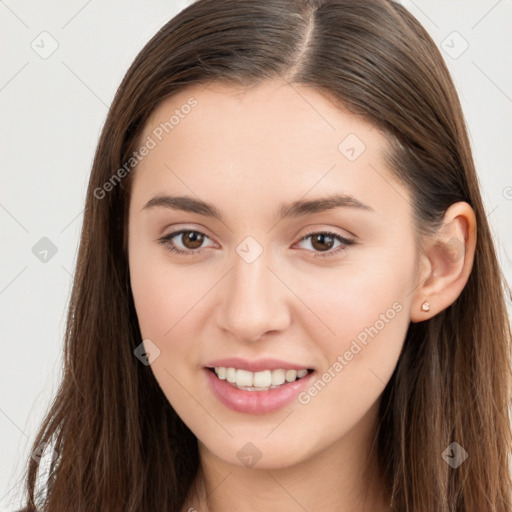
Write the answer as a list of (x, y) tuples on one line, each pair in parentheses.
[(425, 306)]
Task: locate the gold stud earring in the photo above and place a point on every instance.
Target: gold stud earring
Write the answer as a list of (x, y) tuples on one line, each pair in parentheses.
[(425, 306)]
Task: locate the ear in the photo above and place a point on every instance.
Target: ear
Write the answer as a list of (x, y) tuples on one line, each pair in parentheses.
[(446, 262)]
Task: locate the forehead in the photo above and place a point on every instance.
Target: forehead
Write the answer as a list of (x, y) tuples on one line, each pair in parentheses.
[(275, 141), (270, 117)]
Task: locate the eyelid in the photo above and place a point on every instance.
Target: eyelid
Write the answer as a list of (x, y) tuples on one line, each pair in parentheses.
[(327, 232)]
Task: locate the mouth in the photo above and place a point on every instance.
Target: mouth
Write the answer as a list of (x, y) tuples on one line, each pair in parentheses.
[(257, 386), (263, 380)]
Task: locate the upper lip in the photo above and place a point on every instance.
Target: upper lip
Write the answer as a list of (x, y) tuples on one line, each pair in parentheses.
[(256, 365)]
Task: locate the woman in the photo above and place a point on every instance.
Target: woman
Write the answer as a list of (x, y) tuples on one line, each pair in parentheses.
[(287, 295)]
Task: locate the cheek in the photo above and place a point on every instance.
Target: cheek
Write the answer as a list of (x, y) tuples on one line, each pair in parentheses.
[(162, 293), (356, 301), (170, 302), (370, 317), (164, 302), (366, 307)]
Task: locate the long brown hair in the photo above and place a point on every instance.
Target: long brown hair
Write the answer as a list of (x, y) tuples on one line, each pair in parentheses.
[(120, 446)]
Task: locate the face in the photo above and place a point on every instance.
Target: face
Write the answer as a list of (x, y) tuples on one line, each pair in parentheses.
[(302, 259)]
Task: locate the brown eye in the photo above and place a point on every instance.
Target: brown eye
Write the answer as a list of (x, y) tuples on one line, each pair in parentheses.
[(192, 239), (322, 242)]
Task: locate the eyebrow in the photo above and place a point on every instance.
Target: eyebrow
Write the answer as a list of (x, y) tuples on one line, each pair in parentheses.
[(290, 210)]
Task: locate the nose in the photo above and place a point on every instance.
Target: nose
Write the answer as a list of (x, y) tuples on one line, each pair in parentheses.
[(253, 300)]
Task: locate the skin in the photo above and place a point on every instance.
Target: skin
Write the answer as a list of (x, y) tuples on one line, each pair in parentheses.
[(247, 151)]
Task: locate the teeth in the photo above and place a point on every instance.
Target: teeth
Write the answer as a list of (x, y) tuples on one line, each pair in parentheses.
[(261, 379), (231, 375), (243, 378), (258, 381), (291, 375), (278, 377)]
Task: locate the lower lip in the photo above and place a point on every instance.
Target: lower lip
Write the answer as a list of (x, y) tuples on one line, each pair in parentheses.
[(256, 402)]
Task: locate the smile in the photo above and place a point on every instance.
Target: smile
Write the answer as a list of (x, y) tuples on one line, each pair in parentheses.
[(258, 381), (256, 386)]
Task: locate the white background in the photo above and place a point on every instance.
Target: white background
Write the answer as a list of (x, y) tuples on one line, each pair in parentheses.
[(52, 111)]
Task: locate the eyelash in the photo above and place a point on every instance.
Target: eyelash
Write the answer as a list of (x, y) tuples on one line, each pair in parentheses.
[(171, 247)]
